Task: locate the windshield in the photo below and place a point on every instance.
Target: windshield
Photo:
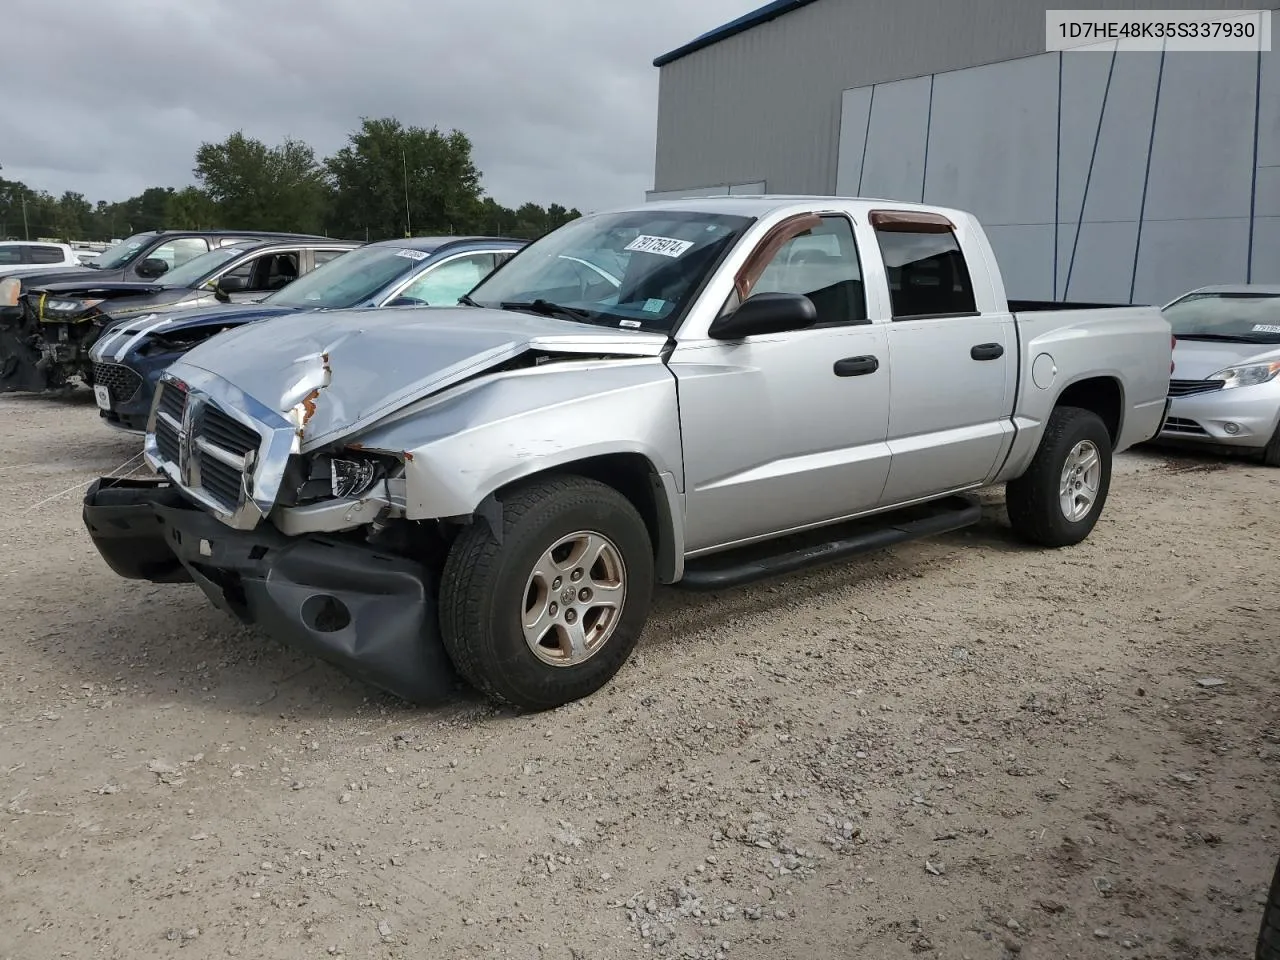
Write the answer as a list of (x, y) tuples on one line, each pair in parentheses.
[(196, 269), (121, 253), (638, 269), (350, 278), (1246, 317)]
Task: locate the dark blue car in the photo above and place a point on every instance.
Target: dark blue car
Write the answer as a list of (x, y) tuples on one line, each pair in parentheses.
[(130, 355)]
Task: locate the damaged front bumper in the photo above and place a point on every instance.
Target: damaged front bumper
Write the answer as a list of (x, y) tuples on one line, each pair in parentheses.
[(372, 614)]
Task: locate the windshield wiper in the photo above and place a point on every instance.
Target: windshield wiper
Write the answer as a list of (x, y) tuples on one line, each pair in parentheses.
[(548, 309), (466, 301), (1220, 337)]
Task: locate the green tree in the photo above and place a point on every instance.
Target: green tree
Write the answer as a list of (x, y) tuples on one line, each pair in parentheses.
[(193, 209), (390, 180), (259, 187), (74, 217)]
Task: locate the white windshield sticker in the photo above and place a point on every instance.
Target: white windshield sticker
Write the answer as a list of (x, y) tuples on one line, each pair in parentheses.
[(411, 254), (1266, 328), (663, 246), (633, 324)]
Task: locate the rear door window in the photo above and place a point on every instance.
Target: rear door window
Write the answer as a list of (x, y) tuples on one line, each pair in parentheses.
[(928, 275)]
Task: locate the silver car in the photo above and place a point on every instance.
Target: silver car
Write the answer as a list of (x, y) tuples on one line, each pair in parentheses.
[(1224, 391)]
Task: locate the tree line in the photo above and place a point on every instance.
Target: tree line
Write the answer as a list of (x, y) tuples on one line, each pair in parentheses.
[(387, 181)]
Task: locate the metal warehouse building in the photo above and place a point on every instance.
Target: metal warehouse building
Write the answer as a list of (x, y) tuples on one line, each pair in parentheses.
[(1127, 177)]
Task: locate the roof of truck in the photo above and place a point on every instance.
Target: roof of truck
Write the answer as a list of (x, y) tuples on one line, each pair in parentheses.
[(758, 206)]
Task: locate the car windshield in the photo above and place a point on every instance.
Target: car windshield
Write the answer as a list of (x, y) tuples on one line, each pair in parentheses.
[(120, 254), (1243, 317), (350, 278), (196, 269), (638, 269)]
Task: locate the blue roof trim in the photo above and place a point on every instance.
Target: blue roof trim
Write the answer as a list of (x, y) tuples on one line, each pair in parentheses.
[(770, 11)]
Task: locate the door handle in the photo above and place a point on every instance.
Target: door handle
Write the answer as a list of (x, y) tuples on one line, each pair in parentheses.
[(987, 351), (856, 366)]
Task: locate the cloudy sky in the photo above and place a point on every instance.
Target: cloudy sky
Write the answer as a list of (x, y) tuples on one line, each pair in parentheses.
[(558, 96)]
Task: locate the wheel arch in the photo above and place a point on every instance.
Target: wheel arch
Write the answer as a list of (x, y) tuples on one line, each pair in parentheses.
[(651, 491), (1102, 395)]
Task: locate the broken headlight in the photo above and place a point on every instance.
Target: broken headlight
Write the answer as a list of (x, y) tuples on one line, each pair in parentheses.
[(351, 478), (344, 476)]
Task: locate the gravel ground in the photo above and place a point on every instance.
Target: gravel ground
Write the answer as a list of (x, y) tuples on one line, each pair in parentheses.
[(958, 748)]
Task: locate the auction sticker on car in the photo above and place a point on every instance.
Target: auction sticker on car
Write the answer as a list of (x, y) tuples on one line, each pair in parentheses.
[(1266, 328), (411, 254), (102, 395), (662, 246)]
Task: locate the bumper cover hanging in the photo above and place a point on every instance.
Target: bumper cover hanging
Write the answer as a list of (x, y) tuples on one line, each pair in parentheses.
[(371, 614)]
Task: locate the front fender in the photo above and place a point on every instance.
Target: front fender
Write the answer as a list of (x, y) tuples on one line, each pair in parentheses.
[(462, 445)]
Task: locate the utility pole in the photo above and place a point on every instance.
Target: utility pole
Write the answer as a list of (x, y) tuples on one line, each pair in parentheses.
[(408, 222), (26, 231)]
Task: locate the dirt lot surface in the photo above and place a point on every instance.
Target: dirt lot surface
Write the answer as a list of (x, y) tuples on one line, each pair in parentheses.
[(960, 748)]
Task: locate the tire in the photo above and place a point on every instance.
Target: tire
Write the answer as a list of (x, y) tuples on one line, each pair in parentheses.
[(1271, 452), (488, 586), (1269, 936), (1034, 500)]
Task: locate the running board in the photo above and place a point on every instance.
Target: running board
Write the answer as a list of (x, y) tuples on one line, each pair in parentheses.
[(773, 558)]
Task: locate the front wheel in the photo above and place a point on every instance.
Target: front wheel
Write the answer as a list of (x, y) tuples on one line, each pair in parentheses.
[(549, 610), (1058, 500)]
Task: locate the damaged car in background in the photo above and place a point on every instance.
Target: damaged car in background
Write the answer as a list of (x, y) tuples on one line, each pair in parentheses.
[(129, 357), (491, 491), (47, 343)]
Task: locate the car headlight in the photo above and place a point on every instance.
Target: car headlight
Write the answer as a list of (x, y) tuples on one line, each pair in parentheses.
[(348, 475), (1247, 375), (70, 306)]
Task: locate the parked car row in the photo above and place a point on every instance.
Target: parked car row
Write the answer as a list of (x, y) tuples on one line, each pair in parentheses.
[(129, 357), (46, 344)]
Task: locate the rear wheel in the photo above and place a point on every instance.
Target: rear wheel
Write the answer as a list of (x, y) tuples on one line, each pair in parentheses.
[(1058, 500), (550, 610)]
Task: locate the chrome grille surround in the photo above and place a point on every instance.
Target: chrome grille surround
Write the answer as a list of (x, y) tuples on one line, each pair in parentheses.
[(223, 449)]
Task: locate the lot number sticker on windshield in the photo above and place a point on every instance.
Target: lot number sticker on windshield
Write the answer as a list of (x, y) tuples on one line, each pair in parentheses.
[(1266, 328), (662, 246), (411, 254)]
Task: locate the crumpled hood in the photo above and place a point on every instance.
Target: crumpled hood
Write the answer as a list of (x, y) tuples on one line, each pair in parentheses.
[(334, 372), (1200, 359)]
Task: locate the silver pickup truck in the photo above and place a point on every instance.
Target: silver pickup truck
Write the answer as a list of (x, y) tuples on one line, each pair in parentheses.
[(698, 393)]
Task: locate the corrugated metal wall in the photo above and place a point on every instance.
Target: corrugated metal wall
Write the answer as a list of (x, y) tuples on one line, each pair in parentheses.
[(765, 105)]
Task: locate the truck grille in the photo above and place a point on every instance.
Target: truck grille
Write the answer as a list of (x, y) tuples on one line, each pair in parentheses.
[(1183, 425), (1188, 388), (173, 402), (220, 480), (121, 382), (215, 438)]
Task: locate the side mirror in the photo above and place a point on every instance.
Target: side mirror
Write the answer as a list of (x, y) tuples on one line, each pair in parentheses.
[(233, 284), (152, 267), (766, 313)]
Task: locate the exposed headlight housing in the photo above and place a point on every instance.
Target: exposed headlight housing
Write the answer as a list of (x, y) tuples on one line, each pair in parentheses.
[(351, 478), (1247, 375), (348, 474)]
